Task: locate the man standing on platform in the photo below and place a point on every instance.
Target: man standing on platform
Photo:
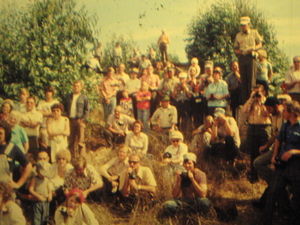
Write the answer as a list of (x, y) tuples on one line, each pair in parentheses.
[(246, 43)]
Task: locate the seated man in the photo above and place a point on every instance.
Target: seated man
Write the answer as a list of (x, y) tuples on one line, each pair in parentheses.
[(112, 169), (225, 137), (136, 181), (84, 177), (189, 192), (202, 135), (165, 117), (117, 126)]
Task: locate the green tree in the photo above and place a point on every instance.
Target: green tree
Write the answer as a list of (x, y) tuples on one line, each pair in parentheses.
[(43, 44), (212, 33)]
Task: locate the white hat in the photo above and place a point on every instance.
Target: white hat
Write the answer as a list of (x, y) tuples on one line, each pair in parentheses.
[(182, 75), (219, 111), (209, 64), (190, 156), (176, 135), (45, 169), (244, 20)]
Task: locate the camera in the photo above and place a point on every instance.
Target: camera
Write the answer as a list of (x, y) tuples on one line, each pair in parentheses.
[(132, 176), (185, 180), (256, 95), (167, 155)]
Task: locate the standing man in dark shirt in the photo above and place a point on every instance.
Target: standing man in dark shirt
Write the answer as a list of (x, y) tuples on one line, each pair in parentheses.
[(77, 107), (9, 154), (246, 43), (286, 157)]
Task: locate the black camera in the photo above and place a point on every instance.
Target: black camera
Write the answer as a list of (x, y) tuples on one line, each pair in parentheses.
[(185, 180), (257, 95), (167, 155), (132, 176)]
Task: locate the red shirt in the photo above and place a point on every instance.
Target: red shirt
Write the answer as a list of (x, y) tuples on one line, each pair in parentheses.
[(143, 99)]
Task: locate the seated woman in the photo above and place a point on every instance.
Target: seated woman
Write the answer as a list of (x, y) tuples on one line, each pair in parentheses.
[(112, 169), (74, 211), (137, 140), (173, 154), (10, 212), (58, 128)]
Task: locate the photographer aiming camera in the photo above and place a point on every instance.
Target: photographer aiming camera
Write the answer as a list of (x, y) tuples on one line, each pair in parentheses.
[(190, 190), (259, 126)]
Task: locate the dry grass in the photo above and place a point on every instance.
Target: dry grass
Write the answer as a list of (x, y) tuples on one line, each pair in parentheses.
[(226, 183)]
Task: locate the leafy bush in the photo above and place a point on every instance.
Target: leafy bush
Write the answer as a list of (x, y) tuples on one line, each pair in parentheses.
[(43, 45)]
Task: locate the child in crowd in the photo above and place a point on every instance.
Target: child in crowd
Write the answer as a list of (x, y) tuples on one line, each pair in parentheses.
[(143, 98), (40, 188), (264, 70), (126, 104)]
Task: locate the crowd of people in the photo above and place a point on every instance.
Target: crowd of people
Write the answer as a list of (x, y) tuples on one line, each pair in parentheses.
[(42, 143)]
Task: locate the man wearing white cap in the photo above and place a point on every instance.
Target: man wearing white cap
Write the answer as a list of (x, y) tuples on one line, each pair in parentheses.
[(190, 190), (247, 41)]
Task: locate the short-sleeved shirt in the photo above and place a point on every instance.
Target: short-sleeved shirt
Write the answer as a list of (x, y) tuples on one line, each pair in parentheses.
[(144, 104), (167, 85), (120, 124), (90, 177), (263, 69), (19, 137), (232, 82), (137, 143), (144, 177), (165, 117), (152, 80), (289, 136), (32, 116), (245, 41), (177, 153), (109, 87), (218, 89), (189, 191), (291, 77), (114, 167), (133, 85)]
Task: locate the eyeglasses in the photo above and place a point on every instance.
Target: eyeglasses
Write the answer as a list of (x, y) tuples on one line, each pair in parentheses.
[(217, 71), (175, 140), (133, 162), (61, 158)]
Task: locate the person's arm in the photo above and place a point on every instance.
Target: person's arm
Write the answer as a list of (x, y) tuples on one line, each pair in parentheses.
[(145, 146), (126, 187), (288, 154), (89, 216), (50, 190), (24, 176), (200, 187), (106, 166), (276, 151), (214, 133), (66, 131), (177, 187), (97, 182), (33, 192)]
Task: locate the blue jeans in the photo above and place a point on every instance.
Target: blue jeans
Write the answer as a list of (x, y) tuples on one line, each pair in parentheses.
[(40, 213), (184, 205), (143, 115), (108, 108)]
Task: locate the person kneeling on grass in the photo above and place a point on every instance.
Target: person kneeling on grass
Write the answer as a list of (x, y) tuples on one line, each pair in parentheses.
[(189, 192)]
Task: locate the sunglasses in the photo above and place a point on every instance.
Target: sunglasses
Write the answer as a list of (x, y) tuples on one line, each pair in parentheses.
[(175, 140), (217, 71), (133, 162)]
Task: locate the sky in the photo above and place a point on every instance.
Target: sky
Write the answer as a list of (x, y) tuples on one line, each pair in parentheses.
[(143, 20)]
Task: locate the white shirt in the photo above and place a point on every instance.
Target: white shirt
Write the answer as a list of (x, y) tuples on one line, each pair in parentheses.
[(165, 117), (177, 152), (291, 77), (137, 143), (73, 106), (33, 116)]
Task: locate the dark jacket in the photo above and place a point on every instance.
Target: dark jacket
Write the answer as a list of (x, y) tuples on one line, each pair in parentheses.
[(82, 106)]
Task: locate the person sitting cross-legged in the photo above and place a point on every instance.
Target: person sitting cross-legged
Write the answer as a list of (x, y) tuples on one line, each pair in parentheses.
[(189, 192)]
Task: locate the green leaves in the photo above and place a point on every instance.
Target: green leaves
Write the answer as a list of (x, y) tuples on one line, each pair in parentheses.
[(42, 45)]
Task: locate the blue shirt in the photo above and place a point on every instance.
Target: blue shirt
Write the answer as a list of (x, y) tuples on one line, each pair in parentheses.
[(289, 137), (219, 89)]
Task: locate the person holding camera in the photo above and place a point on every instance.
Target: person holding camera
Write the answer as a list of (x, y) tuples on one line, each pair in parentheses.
[(225, 137), (189, 192), (137, 183), (286, 158), (259, 126)]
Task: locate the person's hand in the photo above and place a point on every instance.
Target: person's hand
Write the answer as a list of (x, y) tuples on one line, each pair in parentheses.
[(273, 160), (114, 184), (85, 193), (129, 170), (42, 198), (133, 184), (287, 155), (262, 148), (190, 175), (166, 160), (49, 198), (113, 178), (13, 185)]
